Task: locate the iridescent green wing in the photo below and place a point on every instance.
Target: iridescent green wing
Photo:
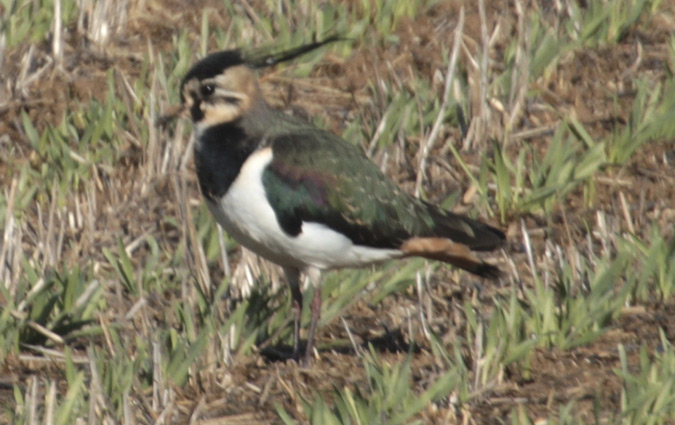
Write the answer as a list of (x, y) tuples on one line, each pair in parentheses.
[(316, 176)]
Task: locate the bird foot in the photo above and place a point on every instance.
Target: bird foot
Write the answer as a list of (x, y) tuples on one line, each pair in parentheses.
[(303, 358)]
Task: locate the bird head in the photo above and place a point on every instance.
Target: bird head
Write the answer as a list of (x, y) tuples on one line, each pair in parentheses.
[(223, 86)]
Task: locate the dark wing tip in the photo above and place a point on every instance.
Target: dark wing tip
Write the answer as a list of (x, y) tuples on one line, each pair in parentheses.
[(475, 234), (488, 271), (488, 238)]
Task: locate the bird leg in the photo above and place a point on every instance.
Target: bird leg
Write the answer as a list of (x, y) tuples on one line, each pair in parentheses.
[(293, 277), (316, 314), (296, 293), (315, 277)]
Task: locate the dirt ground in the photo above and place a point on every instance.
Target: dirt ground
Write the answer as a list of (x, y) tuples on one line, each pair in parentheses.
[(584, 87)]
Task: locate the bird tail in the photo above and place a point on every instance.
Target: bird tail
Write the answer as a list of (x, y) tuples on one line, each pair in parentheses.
[(457, 254), (453, 238)]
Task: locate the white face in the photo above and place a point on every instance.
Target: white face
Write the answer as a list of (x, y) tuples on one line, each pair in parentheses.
[(223, 98)]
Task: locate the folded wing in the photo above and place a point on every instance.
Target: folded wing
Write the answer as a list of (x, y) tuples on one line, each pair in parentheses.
[(317, 177)]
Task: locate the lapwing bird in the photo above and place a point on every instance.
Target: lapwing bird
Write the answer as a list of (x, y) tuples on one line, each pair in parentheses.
[(303, 197)]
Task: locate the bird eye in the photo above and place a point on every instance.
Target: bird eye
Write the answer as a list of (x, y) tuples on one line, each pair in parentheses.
[(207, 90)]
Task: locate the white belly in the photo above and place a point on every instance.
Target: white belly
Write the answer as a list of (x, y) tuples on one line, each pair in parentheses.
[(245, 213)]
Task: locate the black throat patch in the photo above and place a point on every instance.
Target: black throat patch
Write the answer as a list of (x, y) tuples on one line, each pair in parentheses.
[(220, 153)]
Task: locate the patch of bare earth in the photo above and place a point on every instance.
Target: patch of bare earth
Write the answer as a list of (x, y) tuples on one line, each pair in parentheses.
[(585, 86)]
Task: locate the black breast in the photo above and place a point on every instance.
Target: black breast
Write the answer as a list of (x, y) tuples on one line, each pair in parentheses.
[(219, 154)]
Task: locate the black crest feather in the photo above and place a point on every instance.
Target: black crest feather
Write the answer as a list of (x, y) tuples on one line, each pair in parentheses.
[(264, 57), (216, 63)]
